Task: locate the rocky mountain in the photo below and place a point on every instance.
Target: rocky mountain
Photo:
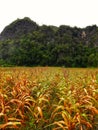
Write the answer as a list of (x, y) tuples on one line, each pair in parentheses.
[(18, 28), (21, 27), (25, 43)]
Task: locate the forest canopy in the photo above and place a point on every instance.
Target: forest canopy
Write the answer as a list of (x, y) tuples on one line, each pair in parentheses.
[(25, 43)]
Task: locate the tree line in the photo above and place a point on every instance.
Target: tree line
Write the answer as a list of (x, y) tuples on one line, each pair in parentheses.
[(48, 45)]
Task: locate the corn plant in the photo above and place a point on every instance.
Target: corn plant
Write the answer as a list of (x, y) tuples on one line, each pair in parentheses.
[(48, 98)]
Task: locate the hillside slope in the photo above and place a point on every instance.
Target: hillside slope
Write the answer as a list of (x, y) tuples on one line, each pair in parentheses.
[(24, 42)]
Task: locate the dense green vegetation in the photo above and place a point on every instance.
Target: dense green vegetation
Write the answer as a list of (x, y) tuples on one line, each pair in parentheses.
[(24, 43)]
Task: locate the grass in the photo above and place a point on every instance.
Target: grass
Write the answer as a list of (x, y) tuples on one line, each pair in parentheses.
[(47, 98)]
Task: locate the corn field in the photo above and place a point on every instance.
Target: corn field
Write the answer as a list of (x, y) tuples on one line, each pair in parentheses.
[(48, 98)]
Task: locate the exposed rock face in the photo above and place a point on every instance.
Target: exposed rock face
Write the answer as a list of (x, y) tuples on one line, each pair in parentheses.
[(23, 42), (83, 34), (18, 28), (63, 34)]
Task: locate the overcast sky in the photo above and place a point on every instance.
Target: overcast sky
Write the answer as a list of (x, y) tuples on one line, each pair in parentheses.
[(80, 13)]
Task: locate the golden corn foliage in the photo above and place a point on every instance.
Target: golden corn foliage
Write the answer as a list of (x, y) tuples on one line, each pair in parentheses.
[(44, 98)]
